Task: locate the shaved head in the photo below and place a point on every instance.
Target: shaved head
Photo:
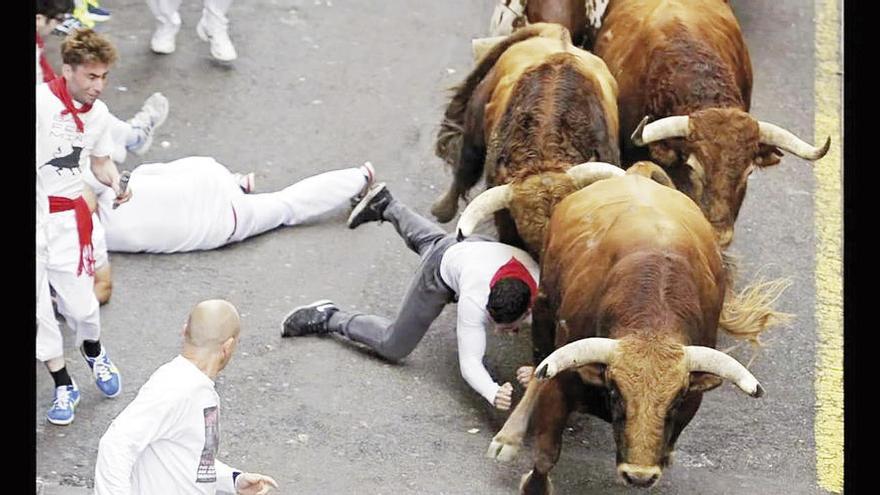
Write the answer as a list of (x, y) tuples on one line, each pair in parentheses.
[(211, 323)]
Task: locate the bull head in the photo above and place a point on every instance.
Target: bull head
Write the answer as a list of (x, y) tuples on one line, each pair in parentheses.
[(653, 388), (711, 154), (531, 200)]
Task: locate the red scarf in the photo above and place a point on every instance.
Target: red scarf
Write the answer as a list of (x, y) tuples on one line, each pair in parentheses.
[(59, 89), (515, 269), (83, 228), (48, 72)]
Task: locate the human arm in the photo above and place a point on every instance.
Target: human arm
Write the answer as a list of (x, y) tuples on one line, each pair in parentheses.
[(242, 483), (471, 333), (145, 420)]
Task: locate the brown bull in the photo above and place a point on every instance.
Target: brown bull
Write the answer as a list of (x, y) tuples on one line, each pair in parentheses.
[(532, 108), (685, 63), (634, 276)]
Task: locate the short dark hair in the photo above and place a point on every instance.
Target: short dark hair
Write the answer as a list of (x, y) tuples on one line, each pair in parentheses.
[(509, 299), (54, 8)]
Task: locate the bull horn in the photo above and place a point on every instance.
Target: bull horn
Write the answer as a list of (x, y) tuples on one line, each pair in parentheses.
[(668, 127), (777, 136), (576, 354), (586, 173), (479, 46), (709, 360), (487, 203)]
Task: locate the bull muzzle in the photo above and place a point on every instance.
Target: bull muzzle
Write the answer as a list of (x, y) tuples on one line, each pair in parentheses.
[(640, 476)]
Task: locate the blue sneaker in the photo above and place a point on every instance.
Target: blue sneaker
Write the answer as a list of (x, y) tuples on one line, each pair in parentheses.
[(96, 13), (62, 410), (106, 375)]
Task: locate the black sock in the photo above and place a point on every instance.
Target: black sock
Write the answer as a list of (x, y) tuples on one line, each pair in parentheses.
[(92, 348), (61, 377)]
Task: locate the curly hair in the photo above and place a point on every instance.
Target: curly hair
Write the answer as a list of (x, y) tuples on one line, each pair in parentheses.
[(508, 300), (85, 46)]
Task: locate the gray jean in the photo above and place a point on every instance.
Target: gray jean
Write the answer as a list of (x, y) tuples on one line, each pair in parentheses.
[(426, 296)]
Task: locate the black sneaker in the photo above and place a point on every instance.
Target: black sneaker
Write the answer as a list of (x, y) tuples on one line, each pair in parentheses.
[(370, 208), (310, 319)]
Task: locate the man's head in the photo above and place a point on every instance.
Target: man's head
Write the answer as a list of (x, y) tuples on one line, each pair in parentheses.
[(50, 13), (211, 331), (509, 302), (87, 58)]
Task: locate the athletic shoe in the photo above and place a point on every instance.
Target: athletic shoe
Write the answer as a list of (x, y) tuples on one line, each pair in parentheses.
[(106, 375), (163, 40), (152, 115), (69, 25), (310, 319), (246, 182), (64, 405), (95, 12), (221, 45), (370, 208)]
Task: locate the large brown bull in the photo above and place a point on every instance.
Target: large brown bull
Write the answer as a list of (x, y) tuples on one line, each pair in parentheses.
[(685, 63), (633, 274), (532, 108)]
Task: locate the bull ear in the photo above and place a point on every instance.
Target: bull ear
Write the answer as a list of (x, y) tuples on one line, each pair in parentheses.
[(593, 374), (767, 155), (704, 382)]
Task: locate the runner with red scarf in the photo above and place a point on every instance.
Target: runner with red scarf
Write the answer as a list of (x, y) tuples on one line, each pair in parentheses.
[(494, 285), (72, 129)]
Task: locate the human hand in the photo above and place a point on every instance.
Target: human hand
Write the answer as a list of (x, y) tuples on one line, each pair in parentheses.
[(120, 187), (254, 484), (504, 397), (524, 375)]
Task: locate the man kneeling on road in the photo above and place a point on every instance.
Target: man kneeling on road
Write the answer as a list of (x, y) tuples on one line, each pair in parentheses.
[(493, 284), (166, 440)]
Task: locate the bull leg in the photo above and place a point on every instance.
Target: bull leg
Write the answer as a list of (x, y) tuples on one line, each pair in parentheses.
[(554, 408), (507, 442)]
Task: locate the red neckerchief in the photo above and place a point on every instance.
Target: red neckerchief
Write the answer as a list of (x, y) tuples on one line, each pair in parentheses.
[(48, 72), (515, 269), (83, 228), (59, 89)]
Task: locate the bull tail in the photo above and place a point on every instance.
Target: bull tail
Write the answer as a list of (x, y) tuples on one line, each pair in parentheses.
[(745, 315), (451, 133)]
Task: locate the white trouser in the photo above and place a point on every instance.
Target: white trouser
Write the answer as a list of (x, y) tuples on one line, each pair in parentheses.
[(75, 294), (305, 201), (214, 12)]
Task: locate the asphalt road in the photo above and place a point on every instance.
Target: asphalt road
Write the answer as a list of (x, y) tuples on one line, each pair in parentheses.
[(323, 84)]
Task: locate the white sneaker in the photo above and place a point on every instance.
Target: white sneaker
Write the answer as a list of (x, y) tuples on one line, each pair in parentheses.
[(163, 40), (221, 45), (152, 115)]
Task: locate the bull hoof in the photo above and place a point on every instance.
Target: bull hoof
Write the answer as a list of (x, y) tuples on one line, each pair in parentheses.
[(445, 208), (530, 485), (502, 451)]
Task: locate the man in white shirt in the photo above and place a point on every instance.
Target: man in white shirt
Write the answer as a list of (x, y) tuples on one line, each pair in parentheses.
[(196, 203), (166, 440), (494, 285), (72, 127)]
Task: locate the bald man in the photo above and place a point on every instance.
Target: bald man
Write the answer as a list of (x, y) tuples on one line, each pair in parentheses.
[(166, 440)]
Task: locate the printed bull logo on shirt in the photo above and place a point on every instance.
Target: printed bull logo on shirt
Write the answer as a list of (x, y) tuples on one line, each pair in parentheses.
[(66, 157), (206, 472)]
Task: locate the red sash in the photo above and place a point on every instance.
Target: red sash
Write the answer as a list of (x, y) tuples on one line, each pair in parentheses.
[(59, 89), (83, 228), (48, 72)]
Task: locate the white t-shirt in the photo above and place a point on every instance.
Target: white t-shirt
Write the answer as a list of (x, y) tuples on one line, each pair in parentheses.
[(61, 149), (179, 206), (166, 441), (467, 268)]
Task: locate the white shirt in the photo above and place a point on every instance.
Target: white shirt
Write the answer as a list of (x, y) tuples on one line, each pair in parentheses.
[(467, 268), (166, 441), (61, 149), (169, 212)]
